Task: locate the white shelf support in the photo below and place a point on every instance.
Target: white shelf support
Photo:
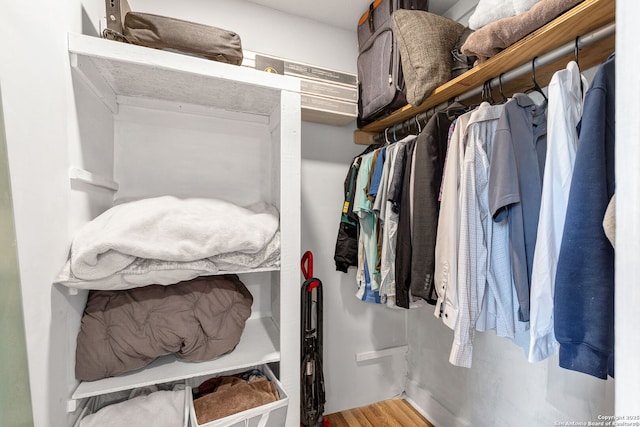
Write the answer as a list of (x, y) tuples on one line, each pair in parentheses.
[(72, 405), (81, 175), (378, 354), (88, 72)]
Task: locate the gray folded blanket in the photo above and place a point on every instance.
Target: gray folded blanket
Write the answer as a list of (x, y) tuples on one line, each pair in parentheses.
[(126, 330), (494, 37)]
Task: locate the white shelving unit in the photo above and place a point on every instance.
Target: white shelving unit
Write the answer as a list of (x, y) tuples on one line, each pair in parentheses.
[(187, 126)]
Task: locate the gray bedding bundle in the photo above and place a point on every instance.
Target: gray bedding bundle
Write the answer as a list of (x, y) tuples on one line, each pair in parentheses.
[(125, 330)]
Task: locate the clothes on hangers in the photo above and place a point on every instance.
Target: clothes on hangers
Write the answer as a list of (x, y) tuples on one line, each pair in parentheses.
[(402, 199), (584, 288), (418, 215), (346, 250), (515, 184), (368, 248), (389, 222), (564, 112), (429, 161), (470, 215), (485, 287)]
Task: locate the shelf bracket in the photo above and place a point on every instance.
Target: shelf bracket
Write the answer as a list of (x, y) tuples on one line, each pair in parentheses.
[(81, 175), (87, 71)]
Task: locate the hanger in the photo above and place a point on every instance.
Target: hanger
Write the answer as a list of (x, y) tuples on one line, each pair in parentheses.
[(575, 53), (486, 92), (395, 138), (504, 98), (386, 136), (536, 87), (418, 124)]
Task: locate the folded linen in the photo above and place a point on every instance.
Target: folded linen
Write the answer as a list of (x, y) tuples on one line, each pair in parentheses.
[(494, 37), (488, 11), (165, 240)]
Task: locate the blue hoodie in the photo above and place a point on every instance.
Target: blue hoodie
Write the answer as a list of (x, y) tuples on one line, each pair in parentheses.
[(583, 302)]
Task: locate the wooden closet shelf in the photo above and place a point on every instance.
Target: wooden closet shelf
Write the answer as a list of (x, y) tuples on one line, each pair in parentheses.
[(581, 19)]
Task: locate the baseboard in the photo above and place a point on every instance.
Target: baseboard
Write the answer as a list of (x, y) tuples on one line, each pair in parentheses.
[(430, 408)]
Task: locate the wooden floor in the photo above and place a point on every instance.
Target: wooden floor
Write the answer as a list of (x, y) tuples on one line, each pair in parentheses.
[(392, 413)]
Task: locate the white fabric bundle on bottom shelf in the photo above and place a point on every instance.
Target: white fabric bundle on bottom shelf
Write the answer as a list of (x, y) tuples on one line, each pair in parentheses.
[(148, 406)]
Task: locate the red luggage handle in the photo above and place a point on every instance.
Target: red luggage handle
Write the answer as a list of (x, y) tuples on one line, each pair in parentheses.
[(307, 270)]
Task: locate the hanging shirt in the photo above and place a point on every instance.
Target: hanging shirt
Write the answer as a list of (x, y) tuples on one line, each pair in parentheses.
[(362, 206), (565, 110), (346, 251), (377, 175), (450, 134), (374, 162), (480, 265), (428, 166), (515, 184), (389, 220), (583, 304), (403, 246), (447, 237)]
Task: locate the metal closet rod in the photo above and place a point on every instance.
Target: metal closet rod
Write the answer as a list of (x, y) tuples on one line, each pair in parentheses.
[(582, 41)]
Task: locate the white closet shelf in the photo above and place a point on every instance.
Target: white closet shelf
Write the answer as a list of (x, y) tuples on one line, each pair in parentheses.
[(118, 71), (74, 290), (258, 345)]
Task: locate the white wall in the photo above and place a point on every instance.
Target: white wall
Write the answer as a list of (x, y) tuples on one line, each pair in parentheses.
[(351, 326), (15, 401), (501, 388), (40, 124)]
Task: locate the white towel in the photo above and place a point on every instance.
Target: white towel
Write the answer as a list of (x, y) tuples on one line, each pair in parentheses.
[(165, 240)]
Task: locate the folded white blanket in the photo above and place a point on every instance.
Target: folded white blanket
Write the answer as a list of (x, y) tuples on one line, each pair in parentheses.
[(165, 240)]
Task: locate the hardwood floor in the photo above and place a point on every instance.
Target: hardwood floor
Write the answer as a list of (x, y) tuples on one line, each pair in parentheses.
[(390, 413)]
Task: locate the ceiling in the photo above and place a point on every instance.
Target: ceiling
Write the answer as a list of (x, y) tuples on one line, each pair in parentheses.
[(338, 13)]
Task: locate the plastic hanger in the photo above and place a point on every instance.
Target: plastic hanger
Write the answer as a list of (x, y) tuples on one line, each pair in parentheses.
[(418, 124), (536, 87)]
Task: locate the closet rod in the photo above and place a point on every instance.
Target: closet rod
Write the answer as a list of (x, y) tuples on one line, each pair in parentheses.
[(547, 58)]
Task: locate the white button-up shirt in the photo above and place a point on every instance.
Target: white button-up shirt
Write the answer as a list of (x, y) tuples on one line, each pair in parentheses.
[(565, 110), (447, 237), (476, 275)]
